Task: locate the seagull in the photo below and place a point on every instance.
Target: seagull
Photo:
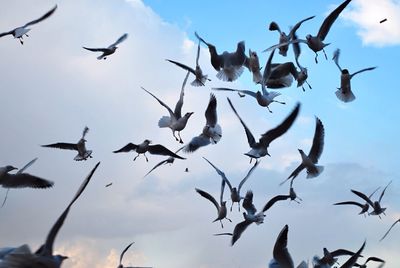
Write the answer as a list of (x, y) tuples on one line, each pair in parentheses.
[(283, 37), (328, 260), (43, 257), (170, 160), (108, 50), (376, 259), (252, 63), (83, 154), (221, 206), (175, 121), (198, 73), (316, 43), (235, 192), (344, 93), (263, 97), (22, 31), (309, 161), (122, 255), (353, 259), (228, 64), (364, 207), (144, 147), (260, 148), (383, 237), (376, 206), (212, 131)]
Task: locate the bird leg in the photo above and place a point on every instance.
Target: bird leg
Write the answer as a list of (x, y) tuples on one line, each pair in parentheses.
[(308, 84), (281, 102), (180, 139), (147, 160), (239, 206), (269, 109), (323, 50), (316, 57), (21, 41), (173, 133), (228, 219), (5, 198), (136, 157), (222, 226), (232, 205)]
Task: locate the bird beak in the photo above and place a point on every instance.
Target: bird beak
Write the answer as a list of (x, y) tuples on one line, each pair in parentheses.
[(14, 168), (268, 154)]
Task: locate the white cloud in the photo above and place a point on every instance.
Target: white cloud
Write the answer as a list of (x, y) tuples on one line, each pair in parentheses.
[(367, 14)]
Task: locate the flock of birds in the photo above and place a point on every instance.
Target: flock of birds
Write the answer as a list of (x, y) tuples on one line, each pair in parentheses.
[(229, 67)]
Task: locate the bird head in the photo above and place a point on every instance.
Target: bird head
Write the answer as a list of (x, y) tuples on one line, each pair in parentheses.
[(345, 71), (10, 168), (308, 37), (147, 141), (301, 151), (60, 258), (189, 114)]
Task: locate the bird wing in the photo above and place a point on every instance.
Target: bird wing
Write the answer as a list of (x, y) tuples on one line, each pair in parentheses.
[(296, 50), (278, 131), (221, 173), (179, 104), (198, 54), (341, 252), (363, 196), (6, 33), (362, 70), (374, 259), (353, 259), (297, 26), (127, 148), (273, 26), (62, 145), (211, 111), (247, 92), (280, 251), (267, 71), (250, 137), (96, 49), (45, 16), (161, 150), (294, 173), (201, 39), (123, 252), (326, 25), (285, 44), (383, 192), (221, 196), (248, 203), (335, 58), (374, 192), (350, 203), (273, 200), (209, 197), (238, 230), (183, 66), (171, 113), (85, 131), (47, 248), (22, 180), (196, 143), (121, 39), (27, 165), (156, 166), (248, 175), (383, 237), (318, 141)]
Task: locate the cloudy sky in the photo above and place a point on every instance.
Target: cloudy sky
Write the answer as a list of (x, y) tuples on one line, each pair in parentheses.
[(51, 89)]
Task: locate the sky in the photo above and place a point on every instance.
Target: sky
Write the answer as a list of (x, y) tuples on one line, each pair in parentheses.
[(52, 88)]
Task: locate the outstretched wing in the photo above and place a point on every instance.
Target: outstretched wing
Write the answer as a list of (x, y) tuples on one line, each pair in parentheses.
[(6, 33), (123, 252), (350, 203), (183, 66), (179, 104), (248, 175), (362, 70), (353, 259), (239, 229), (297, 26), (318, 141), (294, 173), (121, 39), (171, 113), (209, 197), (22, 180), (161, 150), (221, 173), (211, 111), (196, 143), (363, 196), (96, 49), (27, 165), (156, 166), (383, 192), (247, 92), (383, 237), (45, 16), (62, 145), (127, 148), (85, 131), (273, 200), (280, 251), (326, 25)]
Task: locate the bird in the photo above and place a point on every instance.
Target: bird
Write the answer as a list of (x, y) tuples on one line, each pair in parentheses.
[(175, 121), (108, 50), (211, 133), (122, 255), (375, 259), (316, 43), (83, 153), (364, 207), (22, 31), (200, 79), (144, 147), (235, 192), (344, 93), (329, 258), (228, 64), (170, 160), (376, 206), (43, 257), (252, 63), (108, 184), (309, 162), (353, 259), (221, 206), (285, 38), (383, 237), (263, 97), (260, 148)]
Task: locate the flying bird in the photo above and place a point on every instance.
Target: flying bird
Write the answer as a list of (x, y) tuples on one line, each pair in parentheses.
[(23, 257), (198, 73), (375, 259), (263, 97), (316, 43), (228, 64), (364, 207), (83, 153), (108, 50), (252, 63), (221, 206), (302, 75), (144, 147), (170, 160), (376, 206), (329, 258), (383, 237), (309, 162), (212, 131), (235, 192), (286, 38), (260, 148), (353, 259), (122, 255), (22, 31), (344, 93)]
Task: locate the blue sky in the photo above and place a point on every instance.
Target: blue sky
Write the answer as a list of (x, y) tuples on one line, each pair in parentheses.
[(52, 88)]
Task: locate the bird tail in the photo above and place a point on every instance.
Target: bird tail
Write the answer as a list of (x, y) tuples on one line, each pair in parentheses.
[(198, 83), (314, 172), (230, 74), (345, 97), (100, 57), (164, 121)]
